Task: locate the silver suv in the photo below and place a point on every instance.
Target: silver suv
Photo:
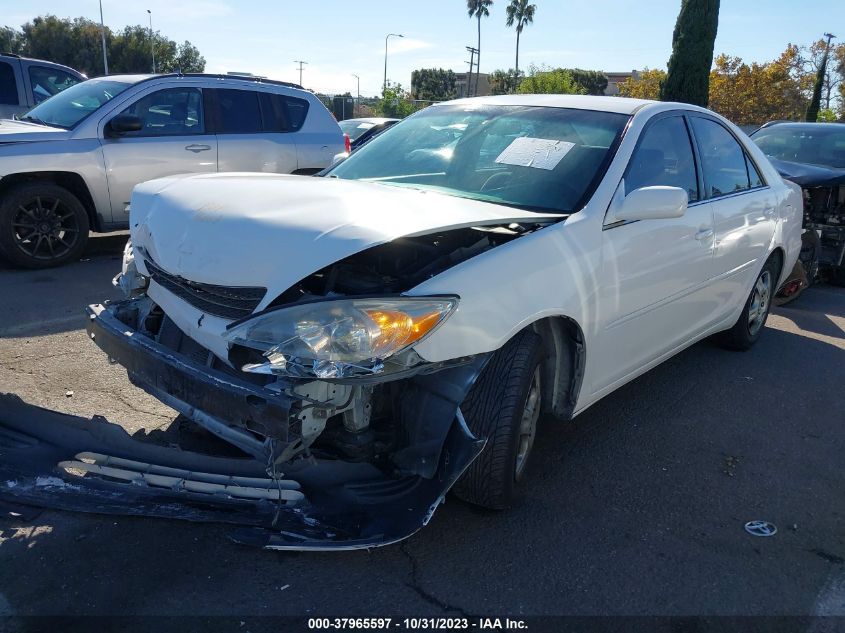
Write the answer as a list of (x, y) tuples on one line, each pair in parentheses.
[(70, 163)]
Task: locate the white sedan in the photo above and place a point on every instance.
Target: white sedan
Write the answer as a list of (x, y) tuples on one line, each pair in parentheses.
[(402, 324)]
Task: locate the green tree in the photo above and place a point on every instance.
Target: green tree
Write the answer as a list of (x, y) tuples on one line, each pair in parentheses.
[(520, 13), (645, 86), (592, 81), (478, 9), (77, 43), (549, 81), (395, 102), (505, 82), (11, 40), (433, 84), (692, 53)]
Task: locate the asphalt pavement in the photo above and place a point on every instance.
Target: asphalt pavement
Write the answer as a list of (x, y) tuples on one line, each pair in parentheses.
[(635, 508)]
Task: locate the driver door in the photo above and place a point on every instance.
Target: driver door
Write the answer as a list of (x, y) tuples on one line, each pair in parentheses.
[(173, 140), (655, 286)]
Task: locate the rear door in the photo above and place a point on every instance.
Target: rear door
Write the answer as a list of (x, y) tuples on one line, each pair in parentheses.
[(12, 99), (173, 140), (744, 209), (253, 131), (654, 290)]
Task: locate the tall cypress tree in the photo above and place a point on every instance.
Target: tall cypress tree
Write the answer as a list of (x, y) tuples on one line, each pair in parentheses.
[(688, 79), (816, 102)]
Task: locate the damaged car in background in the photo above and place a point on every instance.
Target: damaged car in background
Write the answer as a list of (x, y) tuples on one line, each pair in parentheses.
[(812, 155), (366, 341)]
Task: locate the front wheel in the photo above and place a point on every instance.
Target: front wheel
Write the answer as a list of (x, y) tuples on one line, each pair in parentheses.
[(42, 225), (748, 328), (503, 406)]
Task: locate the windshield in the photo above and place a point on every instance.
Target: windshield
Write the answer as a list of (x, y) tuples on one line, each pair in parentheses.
[(355, 129), (536, 158), (70, 106), (820, 144)]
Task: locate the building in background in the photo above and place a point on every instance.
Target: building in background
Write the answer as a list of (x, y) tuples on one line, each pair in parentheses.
[(614, 79), (483, 85)]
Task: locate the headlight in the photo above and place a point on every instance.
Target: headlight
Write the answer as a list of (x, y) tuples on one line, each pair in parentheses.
[(339, 339)]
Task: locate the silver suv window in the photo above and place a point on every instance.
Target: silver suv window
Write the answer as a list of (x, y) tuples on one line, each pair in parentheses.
[(169, 112), (47, 82), (8, 86)]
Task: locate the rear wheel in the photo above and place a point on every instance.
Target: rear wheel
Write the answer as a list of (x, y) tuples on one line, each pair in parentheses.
[(748, 328), (504, 407), (42, 225)]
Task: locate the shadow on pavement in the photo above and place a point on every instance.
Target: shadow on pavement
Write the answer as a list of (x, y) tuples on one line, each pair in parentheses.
[(637, 507), (42, 302)]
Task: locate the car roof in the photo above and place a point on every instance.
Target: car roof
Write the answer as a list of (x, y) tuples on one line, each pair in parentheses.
[(371, 119), (621, 105), (798, 124), (241, 79), (40, 61)]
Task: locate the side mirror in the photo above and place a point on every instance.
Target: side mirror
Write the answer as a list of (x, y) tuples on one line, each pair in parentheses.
[(123, 123), (652, 203)]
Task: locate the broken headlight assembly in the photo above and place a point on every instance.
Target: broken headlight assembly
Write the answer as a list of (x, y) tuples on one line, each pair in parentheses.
[(338, 338), (129, 280)]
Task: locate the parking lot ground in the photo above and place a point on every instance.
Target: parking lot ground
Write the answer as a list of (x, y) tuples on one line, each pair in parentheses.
[(636, 507)]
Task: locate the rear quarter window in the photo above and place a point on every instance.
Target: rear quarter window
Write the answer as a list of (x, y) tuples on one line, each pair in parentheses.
[(8, 86)]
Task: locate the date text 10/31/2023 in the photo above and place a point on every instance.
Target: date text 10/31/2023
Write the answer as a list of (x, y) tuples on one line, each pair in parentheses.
[(415, 624)]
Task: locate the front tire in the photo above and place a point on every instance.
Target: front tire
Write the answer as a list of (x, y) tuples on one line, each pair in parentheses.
[(42, 225), (504, 407), (749, 326)]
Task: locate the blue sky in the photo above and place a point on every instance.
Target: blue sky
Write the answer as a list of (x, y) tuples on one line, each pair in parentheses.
[(339, 37)]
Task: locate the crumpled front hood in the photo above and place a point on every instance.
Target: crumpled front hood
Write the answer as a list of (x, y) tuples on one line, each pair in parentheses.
[(274, 230), (12, 131), (807, 175)]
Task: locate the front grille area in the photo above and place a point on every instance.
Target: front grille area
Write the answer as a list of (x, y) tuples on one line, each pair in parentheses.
[(227, 302)]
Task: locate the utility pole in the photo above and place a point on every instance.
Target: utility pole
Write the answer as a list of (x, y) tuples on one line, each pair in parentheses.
[(152, 41), (301, 64), (472, 53), (829, 37), (103, 36), (358, 100)]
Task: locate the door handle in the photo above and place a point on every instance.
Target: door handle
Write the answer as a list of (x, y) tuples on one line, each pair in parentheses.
[(197, 148), (704, 234)]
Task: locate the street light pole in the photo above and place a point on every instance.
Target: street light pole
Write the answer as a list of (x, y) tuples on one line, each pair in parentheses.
[(103, 36), (152, 41), (358, 99), (389, 35)]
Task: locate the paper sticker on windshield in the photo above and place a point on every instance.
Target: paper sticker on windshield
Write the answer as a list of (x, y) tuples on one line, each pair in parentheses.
[(540, 153)]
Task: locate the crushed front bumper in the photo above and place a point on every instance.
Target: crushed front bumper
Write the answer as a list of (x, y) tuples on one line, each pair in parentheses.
[(54, 460)]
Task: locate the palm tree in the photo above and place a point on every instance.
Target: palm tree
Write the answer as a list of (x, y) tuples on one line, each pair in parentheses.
[(478, 9), (521, 13)]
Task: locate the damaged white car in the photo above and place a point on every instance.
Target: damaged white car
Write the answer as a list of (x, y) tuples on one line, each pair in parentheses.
[(371, 338)]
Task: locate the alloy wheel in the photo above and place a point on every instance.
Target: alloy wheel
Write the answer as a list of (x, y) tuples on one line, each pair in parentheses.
[(45, 228), (760, 298), (528, 423)]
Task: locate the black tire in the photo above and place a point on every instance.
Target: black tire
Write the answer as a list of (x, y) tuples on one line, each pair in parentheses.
[(41, 225), (749, 326), (493, 409)]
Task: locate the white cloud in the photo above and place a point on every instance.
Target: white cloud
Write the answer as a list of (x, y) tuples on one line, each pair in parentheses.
[(397, 46)]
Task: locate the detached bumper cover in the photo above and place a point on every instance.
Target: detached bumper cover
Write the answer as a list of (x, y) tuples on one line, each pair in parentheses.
[(341, 505), (50, 459)]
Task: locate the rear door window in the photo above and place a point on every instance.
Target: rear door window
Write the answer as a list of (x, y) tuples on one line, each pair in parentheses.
[(280, 113), (722, 159), (238, 112), (8, 86)]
